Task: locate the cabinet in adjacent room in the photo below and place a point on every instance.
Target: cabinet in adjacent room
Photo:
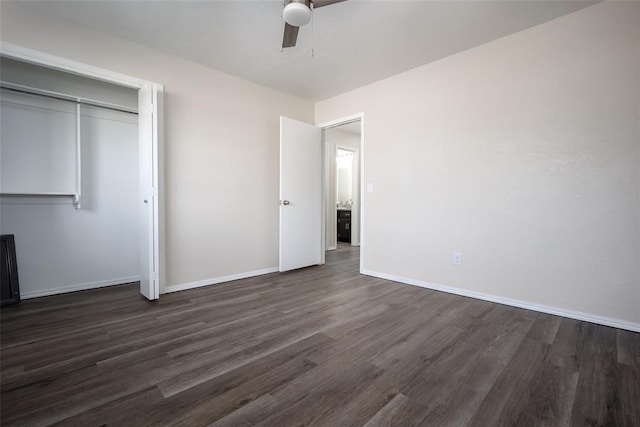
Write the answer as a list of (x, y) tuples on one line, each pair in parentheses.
[(344, 225)]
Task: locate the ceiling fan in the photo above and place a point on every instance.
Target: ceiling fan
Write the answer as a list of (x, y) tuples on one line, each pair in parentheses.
[(296, 14)]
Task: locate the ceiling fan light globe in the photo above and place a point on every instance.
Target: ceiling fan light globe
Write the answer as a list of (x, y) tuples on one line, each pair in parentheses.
[(297, 14)]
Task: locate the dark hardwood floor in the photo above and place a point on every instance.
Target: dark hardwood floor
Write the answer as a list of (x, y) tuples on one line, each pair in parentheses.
[(321, 345)]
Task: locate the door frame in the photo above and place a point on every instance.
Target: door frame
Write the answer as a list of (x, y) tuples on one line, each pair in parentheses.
[(32, 56), (331, 124)]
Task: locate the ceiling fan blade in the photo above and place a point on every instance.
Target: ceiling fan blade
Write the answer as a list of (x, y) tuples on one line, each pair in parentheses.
[(290, 35), (321, 3)]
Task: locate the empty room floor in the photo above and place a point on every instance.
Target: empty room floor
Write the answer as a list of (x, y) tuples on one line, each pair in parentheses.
[(317, 346)]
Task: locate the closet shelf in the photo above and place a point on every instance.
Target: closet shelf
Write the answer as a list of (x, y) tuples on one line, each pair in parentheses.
[(76, 197)]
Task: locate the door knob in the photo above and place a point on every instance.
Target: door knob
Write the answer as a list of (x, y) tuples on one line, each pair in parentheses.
[(285, 202)]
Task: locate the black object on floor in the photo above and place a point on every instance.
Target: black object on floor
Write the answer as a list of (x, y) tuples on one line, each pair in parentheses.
[(9, 279)]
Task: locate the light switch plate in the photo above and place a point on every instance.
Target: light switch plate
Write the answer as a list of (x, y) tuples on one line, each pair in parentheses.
[(457, 258)]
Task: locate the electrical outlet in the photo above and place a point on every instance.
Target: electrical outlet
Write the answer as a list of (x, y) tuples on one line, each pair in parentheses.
[(457, 258)]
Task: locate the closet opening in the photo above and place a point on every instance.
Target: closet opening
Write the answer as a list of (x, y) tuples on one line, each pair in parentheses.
[(73, 181)]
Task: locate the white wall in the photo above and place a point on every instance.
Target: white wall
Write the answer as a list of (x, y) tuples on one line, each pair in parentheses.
[(333, 137), (221, 147), (524, 155), (59, 248)]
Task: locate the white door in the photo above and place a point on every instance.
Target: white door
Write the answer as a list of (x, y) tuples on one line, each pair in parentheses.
[(300, 194), (149, 129)]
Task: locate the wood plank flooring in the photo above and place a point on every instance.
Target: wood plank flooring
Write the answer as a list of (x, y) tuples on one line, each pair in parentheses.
[(318, 346)]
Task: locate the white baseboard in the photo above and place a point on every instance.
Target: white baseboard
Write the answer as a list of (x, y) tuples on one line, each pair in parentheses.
[(216, 280), (578, 315), (79, 287)]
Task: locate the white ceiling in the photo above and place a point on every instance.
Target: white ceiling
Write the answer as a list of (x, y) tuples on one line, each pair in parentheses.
[(355, 43)]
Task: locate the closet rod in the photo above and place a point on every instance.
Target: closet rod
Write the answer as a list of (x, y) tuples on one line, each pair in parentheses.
[(52, 95)]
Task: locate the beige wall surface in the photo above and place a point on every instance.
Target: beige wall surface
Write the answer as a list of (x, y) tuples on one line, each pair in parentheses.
[(524, 155), (221, 146)]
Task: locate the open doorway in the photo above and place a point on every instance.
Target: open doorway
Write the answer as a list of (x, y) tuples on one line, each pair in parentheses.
[(92, 113), (342, 181), (345, 194)]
